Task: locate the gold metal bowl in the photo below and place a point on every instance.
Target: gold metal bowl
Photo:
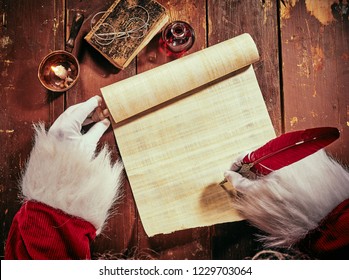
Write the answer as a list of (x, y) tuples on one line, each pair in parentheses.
[(59, 71)]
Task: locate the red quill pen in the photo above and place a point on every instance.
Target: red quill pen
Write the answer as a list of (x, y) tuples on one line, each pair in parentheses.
[(286, 149)]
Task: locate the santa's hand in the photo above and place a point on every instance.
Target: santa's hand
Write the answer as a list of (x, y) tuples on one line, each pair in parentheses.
[(237, 180), (68, 125), (237, 164), (66, 173)]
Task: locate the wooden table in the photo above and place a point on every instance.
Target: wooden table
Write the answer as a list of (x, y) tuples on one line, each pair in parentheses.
[(303, 74)]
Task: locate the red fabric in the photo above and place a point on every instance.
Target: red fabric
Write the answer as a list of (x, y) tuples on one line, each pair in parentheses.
[(41, 232), (331, 239)]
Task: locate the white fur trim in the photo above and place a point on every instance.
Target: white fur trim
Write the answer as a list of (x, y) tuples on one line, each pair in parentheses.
[(288, 203), (63, 176)]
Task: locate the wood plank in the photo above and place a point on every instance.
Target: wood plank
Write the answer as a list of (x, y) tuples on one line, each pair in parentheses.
[(315, 56), (24, 100), (56, 101), (192, 243), (227, 19), (119, 236)]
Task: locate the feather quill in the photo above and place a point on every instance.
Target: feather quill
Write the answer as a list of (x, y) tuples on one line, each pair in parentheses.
[(286, 149)]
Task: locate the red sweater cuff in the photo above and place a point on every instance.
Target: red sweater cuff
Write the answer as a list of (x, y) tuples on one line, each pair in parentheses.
[(330, 240), (39, 231)]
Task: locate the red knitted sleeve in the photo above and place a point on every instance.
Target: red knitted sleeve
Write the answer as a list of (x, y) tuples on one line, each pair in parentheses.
[(41, 232), (330, 240)]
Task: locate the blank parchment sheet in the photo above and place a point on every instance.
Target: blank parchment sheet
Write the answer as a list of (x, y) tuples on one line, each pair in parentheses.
[(180, 126)]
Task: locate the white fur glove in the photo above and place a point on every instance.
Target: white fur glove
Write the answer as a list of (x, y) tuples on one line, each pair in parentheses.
[(239, 182), (68, 125), (64, 171), (236, 179), (290, 202)]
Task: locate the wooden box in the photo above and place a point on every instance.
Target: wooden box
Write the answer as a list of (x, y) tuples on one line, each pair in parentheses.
[(126, 28)]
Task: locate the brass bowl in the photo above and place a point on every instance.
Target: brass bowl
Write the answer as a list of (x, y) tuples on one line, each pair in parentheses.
[(53, 82)]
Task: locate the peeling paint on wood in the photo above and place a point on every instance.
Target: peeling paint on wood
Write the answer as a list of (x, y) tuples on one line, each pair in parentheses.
[(293, 121), (267, 6), (321, 10), (314, 114), (303, 65), (286, 7), (5, 41), (318, 58), (315, 53)]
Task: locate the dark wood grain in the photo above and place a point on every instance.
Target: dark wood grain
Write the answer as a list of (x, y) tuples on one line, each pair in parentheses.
[(29, 31), (303, 74), (228, 19), (315, 56)]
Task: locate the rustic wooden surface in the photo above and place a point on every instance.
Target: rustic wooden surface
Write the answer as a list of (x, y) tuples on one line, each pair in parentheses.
[(303, 74)]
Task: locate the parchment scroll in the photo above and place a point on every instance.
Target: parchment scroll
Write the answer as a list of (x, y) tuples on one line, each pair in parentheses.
[(178, 128)]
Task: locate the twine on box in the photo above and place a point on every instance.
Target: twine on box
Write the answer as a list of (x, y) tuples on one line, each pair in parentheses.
[(135, 27)]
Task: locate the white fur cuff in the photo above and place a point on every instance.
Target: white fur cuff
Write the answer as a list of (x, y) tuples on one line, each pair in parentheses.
[(290, 202), (63, 176)]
